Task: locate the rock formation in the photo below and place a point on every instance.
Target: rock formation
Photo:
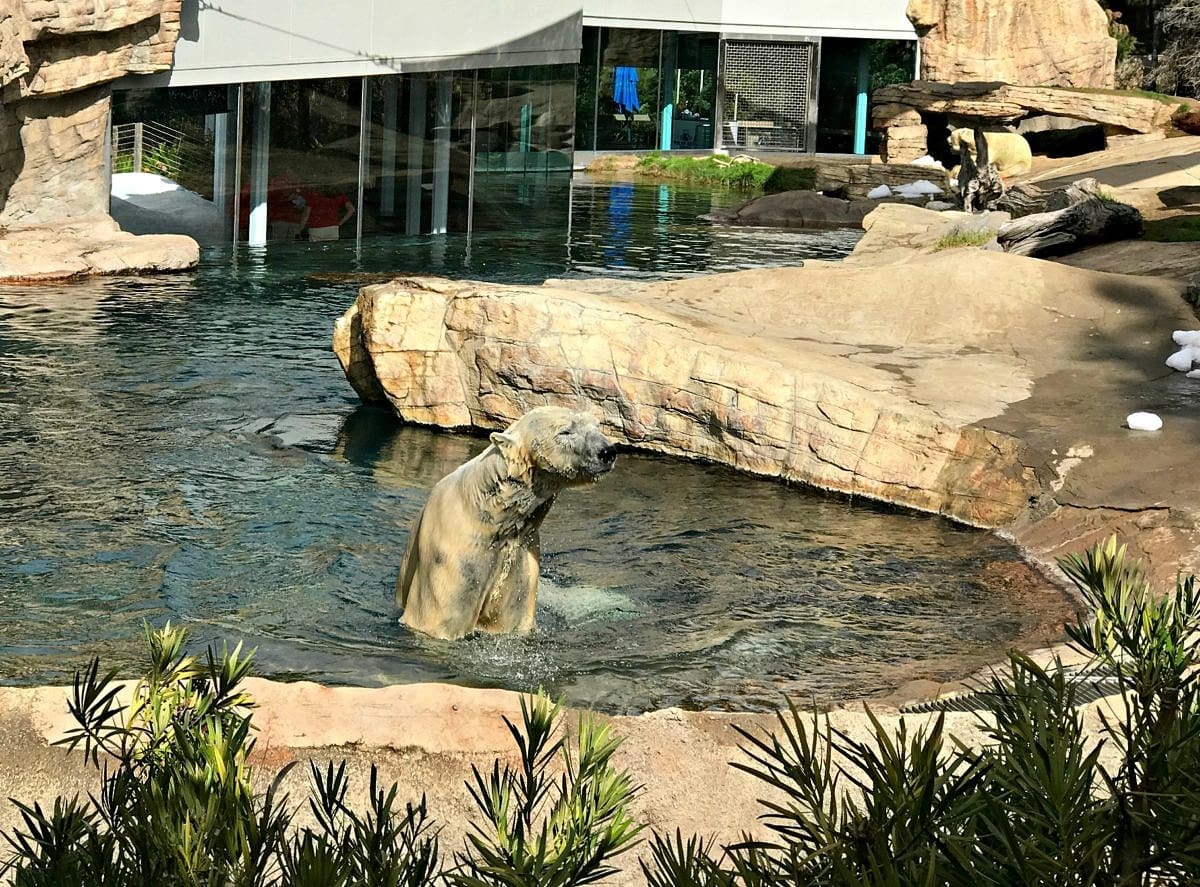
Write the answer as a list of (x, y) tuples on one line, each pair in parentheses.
[(797, 209), (897, 110), (57, 61), (1036, 43), (881, 381)]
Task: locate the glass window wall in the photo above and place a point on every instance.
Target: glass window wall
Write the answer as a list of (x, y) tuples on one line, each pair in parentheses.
[(172, 153), (426, 153)]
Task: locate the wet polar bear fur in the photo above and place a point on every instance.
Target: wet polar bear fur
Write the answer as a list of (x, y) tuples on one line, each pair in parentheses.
[(1008, 150), (473, 555)]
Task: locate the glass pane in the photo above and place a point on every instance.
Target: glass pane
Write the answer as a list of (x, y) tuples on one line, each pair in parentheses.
[(313, 159), (172, 159), (628, 93), (695, 89), (585, 91), (523, 147)]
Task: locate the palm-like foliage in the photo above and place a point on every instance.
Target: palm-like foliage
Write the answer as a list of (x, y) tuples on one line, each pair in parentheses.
[(539, 829)]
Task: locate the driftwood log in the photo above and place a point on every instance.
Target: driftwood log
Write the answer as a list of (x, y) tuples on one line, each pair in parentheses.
[(1092, 220), (1025, 200)]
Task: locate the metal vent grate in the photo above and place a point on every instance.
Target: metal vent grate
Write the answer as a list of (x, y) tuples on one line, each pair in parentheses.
[(765, 102)]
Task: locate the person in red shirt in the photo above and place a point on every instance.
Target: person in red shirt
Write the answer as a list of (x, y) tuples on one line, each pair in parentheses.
[(326, 214)]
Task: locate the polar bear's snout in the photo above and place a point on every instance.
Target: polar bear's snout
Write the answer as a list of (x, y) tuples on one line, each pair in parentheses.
[(603, 458)]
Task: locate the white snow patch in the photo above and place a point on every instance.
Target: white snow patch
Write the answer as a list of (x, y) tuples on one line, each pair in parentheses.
[(879, 193), (927, 161), (919, 188), (144, 203), (1143, 422)]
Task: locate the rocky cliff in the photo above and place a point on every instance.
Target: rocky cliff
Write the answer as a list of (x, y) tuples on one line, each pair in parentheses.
[(1035, 43), (58, 59)]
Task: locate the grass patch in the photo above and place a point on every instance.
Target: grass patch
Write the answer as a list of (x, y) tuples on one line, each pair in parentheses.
[(1176, 229), (1129, 93), (959, 239), (747, 176)]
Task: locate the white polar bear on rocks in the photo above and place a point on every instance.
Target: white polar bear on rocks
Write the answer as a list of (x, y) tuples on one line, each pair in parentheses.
[(474, 556), (1008, 150)]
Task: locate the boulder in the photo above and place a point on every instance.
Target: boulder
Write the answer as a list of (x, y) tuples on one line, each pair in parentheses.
[(89, 246), (897, 232), (797, 209), (889, 382), (1036, 43), (57, 63)]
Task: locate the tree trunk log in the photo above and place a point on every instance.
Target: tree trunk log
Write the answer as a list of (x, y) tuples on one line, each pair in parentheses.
[(1090, 221), (1025, 200)]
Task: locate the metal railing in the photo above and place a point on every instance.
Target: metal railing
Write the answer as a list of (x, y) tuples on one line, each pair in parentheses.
[(148, 147)]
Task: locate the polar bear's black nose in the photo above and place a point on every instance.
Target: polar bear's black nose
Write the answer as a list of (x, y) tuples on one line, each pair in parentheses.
[(608, 453)]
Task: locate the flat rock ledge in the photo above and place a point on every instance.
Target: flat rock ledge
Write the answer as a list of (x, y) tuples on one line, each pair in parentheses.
[(762, 396), (95, 246), (985, 387)]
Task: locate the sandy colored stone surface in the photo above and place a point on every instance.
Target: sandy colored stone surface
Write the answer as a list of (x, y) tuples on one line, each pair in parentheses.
[(899, 233), (425, 737), (1040, 42), (898, 383), (90, 246), (1144, 174), (995, 102), (1178, 261), (825, 390), (58, 59)]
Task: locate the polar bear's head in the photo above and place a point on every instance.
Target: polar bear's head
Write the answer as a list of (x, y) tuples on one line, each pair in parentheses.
[(561, 443)]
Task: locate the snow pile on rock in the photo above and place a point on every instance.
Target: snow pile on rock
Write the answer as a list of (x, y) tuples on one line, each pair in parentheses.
[(1188, 354)]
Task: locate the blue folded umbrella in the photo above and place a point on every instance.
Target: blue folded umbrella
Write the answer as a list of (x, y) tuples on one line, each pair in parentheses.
[(625, 89)]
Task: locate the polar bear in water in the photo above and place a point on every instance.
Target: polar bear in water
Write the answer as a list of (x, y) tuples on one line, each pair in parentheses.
[(473, 556)]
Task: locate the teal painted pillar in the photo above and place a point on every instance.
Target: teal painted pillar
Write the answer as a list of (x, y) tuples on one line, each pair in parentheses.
[(861, 107), (666, 89)]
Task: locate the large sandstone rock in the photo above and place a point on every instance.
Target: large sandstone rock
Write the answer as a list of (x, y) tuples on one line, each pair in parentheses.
[(90, 246), (57, 61), (898, 232), (875, 381), (990, 102), (1034, 43)]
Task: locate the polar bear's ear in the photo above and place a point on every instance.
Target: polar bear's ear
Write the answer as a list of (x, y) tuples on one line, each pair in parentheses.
[(516, 454)]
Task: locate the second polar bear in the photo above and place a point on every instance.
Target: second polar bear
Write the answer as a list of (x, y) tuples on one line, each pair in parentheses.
[(1008, 150)]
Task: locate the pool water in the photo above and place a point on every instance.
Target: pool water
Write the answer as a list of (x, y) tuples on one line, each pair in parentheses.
[(186, 447)]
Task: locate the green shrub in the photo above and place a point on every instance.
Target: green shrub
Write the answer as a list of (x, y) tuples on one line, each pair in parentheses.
[(177, 806), (746, 175)]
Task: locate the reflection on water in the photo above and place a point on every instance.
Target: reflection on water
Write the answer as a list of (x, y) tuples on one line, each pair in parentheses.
[(187, 448)]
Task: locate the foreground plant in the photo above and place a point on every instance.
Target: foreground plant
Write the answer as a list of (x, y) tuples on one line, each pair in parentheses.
[(539, 829), (177, 805)]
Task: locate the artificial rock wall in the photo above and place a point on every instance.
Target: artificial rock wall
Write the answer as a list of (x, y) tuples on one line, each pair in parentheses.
[(1026, 43), (58, 59)]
